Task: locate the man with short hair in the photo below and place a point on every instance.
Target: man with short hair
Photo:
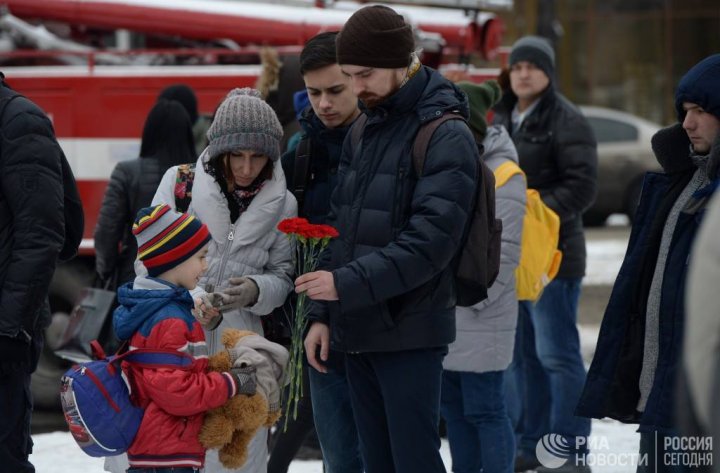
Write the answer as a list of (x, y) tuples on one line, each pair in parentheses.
[(387, 291), (637, 360), (311, 173), (41, 222), (557, 151)]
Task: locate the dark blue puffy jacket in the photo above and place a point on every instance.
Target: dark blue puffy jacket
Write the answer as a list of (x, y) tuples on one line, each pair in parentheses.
[(399, 234), (612, 386)]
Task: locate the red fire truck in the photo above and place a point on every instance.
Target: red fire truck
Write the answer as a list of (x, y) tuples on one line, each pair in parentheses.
[(98, 97)]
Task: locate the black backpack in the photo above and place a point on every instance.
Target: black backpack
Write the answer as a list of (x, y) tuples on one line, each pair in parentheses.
[(74, 216), (478, 262)]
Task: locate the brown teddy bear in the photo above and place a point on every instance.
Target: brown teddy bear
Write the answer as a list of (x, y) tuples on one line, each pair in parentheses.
[(230, 427)]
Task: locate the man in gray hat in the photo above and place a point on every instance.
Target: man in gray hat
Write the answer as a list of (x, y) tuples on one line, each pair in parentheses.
[(388, 287), (558, 153)]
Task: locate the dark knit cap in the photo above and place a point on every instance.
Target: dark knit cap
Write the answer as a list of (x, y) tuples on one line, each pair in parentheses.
[(245, 121), (185, 95), (482, 98), (375, 36), (166, 238), (537, 50), (701, 86)]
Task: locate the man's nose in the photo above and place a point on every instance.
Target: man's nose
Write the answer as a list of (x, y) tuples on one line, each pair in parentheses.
[(688, 122), (358, 87), (325, 102)]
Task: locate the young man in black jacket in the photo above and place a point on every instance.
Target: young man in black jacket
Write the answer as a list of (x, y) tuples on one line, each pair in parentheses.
[(387, 288), (311, 174), (557, 151), (41, 222)]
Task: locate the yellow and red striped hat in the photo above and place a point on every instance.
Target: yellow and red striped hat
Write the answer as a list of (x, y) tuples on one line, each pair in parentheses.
[(166, 238)]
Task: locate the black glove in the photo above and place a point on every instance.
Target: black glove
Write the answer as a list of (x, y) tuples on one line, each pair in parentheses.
[(15, 355), (246, 380)]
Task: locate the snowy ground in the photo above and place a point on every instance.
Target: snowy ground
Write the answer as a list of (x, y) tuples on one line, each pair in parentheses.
[(612, 443), (57, 452)]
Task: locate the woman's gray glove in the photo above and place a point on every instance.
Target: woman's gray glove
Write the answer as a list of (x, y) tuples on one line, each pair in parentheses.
[(242, 292), (246, 379)]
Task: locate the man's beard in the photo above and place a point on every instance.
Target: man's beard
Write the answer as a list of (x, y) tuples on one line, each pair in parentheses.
[(371, 100)]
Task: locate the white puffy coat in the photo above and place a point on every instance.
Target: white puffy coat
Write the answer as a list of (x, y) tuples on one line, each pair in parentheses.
[(252, 247)]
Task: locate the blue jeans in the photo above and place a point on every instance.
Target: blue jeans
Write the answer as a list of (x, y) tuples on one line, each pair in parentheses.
[(479, 431), (334, 421), (396, 401), (548, 374)]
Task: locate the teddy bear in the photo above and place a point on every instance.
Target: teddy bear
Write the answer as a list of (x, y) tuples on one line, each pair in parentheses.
[(230, 428)]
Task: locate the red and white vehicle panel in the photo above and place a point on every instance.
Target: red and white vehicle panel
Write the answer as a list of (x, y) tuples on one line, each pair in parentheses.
[(99, 113)]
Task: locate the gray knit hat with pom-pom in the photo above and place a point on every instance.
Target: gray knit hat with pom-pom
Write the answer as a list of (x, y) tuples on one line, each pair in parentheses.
[(245, 121)]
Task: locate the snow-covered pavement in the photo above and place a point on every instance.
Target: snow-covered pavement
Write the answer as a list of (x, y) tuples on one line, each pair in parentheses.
[(57, 452)]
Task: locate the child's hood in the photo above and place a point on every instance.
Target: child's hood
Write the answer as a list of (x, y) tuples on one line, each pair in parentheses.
[(141, 299)]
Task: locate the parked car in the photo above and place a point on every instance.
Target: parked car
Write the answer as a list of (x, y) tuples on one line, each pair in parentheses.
[(624, 156)]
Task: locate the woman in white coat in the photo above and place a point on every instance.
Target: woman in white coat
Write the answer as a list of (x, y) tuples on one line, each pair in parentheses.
[(239, 192)]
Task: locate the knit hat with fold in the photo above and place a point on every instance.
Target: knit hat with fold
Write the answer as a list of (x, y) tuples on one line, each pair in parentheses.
[(166, 238), (245, 121), (701, 86), (375, 36), (537, 50), (482, 98)]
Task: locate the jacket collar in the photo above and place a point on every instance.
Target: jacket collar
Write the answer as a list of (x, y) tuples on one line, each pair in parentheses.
[(260, 218)]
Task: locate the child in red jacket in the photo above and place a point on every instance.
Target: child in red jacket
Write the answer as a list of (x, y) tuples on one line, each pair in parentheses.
[(156, 312)]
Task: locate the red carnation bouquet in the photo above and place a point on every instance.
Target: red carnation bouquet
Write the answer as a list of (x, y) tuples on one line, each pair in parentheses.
[(308, 241)]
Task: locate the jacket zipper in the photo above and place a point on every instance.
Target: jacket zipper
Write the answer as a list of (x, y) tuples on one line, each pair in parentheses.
[(399, 184), (223, 262)]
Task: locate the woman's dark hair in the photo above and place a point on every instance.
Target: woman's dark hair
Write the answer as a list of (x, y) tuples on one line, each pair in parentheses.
[(167, 135), (318, 52), (222, 163)]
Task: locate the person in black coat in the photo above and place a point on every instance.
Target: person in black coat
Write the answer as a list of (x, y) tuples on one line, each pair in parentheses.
[(386, 293), (41, 223), (312, 166), (167, 141), (557, 151)]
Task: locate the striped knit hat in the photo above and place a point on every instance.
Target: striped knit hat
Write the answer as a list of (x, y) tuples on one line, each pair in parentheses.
[(166, 238), (245, 121)]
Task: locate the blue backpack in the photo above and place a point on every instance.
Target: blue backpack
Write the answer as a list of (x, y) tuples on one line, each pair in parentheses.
[(96, 401)]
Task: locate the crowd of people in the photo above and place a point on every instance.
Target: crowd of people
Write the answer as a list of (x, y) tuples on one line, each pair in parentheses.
[(188, 236)]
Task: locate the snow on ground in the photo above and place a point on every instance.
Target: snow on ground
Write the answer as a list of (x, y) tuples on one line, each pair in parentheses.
[(604, 258), (57, 452)]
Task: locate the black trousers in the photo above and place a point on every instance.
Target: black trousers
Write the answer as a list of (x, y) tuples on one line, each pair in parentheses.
[(15, 412)]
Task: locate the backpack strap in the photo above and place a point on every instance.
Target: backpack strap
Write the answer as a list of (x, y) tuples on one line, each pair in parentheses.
[(183, 196), (301, 171), (148, 358), (505, 171), (422, 139)]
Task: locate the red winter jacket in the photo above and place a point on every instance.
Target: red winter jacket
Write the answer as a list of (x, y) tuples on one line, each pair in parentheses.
[(175, 400)]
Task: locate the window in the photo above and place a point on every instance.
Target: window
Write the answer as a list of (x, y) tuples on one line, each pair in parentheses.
[(609, 131)]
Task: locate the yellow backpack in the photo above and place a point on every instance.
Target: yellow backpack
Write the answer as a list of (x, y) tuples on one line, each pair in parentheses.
[(539, 255)]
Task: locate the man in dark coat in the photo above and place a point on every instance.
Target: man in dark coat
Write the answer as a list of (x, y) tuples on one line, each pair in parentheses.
[(311, 171), (388, 286), (40, 222), (557, 151), (637, 360)]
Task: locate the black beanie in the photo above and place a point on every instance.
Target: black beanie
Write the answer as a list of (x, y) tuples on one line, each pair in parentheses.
[(701, 86), (183, 94), (375, 36), (537, 50)]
